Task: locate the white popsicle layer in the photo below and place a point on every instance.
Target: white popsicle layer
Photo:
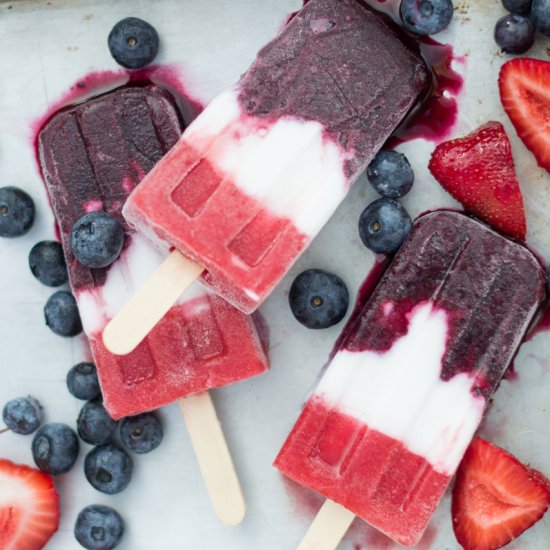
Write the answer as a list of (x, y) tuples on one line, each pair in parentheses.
[(290, 165), (125, 277), (400, 392)]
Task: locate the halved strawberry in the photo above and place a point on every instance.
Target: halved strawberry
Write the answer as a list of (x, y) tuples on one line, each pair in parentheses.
[(495, 497), (478, 171), (524, 86), (29, 507)]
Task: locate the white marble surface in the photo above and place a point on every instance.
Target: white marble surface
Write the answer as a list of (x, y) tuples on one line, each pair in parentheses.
[(46, 47)]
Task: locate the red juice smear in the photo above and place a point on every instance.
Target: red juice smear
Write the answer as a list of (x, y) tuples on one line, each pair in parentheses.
[(543, 325), (436, 116)]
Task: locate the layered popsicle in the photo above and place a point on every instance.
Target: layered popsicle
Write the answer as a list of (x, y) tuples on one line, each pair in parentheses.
[(92, 156), (256, 176), (412, 374)]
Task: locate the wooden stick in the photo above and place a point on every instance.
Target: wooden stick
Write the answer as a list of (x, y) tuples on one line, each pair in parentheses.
[(328, 528), (138, 317), (214, 459)]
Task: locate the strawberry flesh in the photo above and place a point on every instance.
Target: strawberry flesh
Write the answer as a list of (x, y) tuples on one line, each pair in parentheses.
[(524, 86), (495, 497), (478, 171), (29, 507)]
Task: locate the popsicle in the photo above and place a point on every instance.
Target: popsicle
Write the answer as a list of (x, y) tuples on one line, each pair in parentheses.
[(411, 376), (92, 155), (256, 176)]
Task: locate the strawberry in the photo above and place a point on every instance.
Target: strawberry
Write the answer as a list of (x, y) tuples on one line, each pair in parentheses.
[(524, 86), (478, 171), (29, 507), (495, 497)]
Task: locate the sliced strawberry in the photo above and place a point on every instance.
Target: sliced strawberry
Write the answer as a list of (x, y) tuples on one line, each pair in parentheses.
[(495, 497), (524, 86), (478, 171), (29, 507)]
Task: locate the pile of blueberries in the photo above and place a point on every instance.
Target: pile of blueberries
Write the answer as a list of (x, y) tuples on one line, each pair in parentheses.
[(515, 32), (319, 299), (96, 241), (108, 466)]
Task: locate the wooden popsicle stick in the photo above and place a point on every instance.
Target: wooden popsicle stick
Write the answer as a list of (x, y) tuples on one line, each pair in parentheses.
[(214, 458), (328, 528), (153, 300)]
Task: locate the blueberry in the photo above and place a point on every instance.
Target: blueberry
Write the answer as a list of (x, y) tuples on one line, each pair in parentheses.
[(83, 383), (133, 43), (108, 468), (514, 33), (47, 263), (97, 239), (391, 174), (16, 212), (22, 415), (98, 527), (94, 425), (55, 448), (141, 433), (520, 7), (384, 225), (540, 13), (318, 299), (426, 17), (61, 313)]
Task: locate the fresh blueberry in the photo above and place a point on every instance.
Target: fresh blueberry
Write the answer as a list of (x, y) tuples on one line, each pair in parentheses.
[(108, 468), (83, 383), (426, 17), (520, 7), (55, 448), (540, 12), (514, 33), (97, 239), (94, 425), (384, 225), (61, 313), (22, 415), (318, 299), (98, 527), (47, 263), (391, 174), (16, 212), (141, 433), (133, 43)]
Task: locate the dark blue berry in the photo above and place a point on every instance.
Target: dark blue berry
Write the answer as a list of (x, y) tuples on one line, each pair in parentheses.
[(318, 299), (61, 313), (98, 527), (83, 383), (108, 468), (426, 17), (514, 33), (133, 43), (540, 12), (47, 263), (94, 425), (384, 225), (391, 174), (55, 448), (97, 239), (16, 212), (141, 433), (521, 7), (22, 415)]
